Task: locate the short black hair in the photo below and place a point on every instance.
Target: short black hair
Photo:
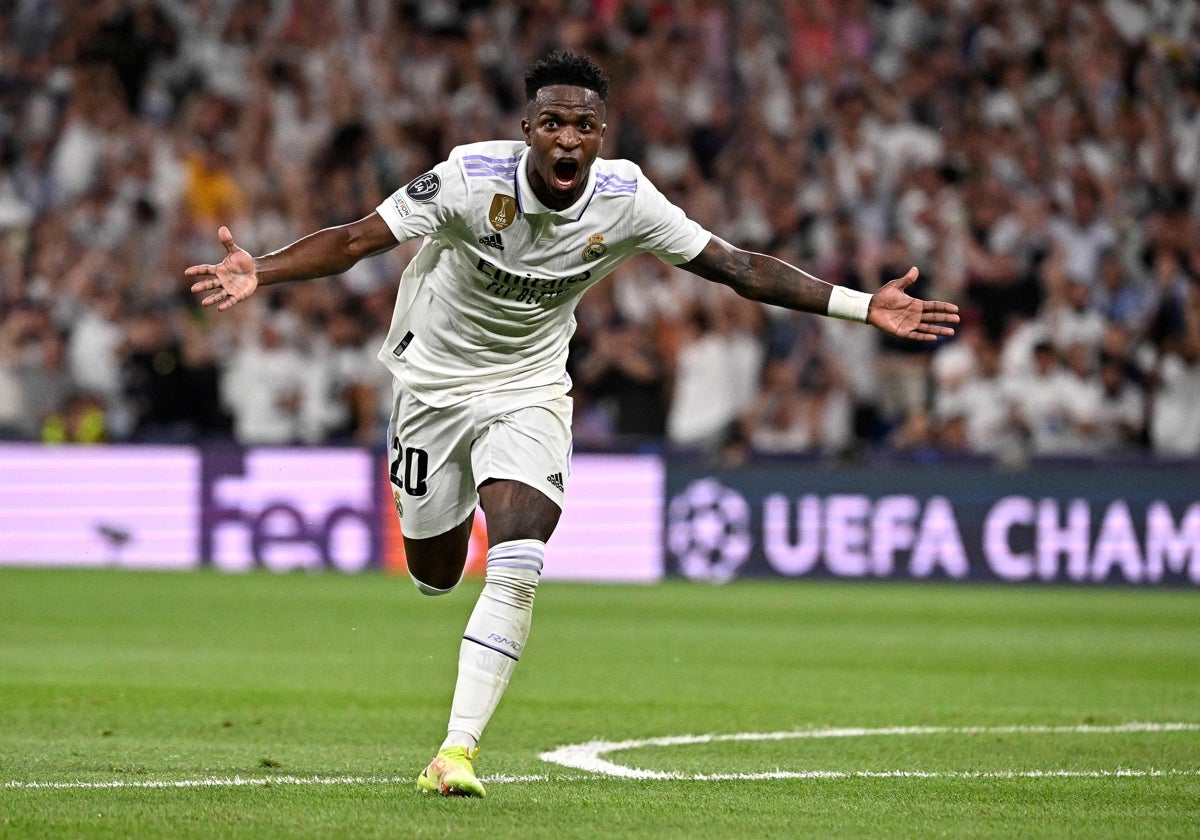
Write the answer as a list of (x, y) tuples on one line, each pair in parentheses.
[(565, 68)]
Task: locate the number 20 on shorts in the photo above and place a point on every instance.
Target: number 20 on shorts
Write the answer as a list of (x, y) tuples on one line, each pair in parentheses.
[(415, 464)]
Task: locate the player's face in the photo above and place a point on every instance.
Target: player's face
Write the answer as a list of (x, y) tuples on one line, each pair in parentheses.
[(563, 130)]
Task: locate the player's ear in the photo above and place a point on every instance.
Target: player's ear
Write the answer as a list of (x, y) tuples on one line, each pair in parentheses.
[(526, 127)]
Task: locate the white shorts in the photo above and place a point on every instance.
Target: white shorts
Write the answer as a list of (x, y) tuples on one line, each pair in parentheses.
[(438, 457)]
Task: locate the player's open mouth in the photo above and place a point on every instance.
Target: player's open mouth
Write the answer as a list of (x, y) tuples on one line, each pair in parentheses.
[(565, 172)]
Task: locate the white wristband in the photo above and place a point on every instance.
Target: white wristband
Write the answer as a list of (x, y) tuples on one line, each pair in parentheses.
[(848, 304)]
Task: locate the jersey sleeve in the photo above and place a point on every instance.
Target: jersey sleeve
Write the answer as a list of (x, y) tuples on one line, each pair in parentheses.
[(665, 230), (427, 203)]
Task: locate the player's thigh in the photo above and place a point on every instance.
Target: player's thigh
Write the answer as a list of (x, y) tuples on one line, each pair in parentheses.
[(522, 462), (516, 511), (439, 561), (429, 458)]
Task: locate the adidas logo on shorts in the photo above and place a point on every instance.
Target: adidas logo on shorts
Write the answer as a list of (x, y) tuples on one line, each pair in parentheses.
[(492, 241), (556, 480)]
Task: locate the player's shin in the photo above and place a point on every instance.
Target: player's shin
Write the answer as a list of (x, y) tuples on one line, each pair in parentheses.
[(495, 637)]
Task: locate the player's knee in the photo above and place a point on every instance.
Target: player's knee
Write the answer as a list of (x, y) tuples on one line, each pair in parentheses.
[(514, 570), (429, 589), (435, 578), (516, 590), (436, 564)]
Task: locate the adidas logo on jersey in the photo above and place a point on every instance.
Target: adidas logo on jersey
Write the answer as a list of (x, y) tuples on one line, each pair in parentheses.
[(492, 240), (556, 480)]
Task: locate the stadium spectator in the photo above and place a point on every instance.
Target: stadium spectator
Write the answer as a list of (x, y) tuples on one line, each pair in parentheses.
[(715, 375), (1119, 408), (1083, 233), (1082, 386), (903, 368), (1121, 299), (169, 379), (1173, 429), (95, 340), (1070, 317), (974, 405), (1175, 410), (80, 420), (1042, 406), (801, 407), (621, 369), (265, 383), (32, 368)]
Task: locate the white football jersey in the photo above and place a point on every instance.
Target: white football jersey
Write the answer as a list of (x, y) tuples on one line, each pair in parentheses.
[(488, 302)]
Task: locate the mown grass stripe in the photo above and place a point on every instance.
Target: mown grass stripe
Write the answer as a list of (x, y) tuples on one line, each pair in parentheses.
[(256, 781)]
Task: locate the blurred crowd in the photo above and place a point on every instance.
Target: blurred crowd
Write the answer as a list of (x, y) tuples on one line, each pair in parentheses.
[(1038, 160)]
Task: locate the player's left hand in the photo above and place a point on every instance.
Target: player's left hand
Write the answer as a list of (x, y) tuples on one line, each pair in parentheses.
[(894, 312)]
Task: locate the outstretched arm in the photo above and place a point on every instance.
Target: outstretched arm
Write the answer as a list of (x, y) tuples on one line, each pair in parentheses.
[(328, 251), (770, 280)]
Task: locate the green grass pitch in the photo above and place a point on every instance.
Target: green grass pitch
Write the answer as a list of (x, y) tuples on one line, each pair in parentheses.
[(114, 686)]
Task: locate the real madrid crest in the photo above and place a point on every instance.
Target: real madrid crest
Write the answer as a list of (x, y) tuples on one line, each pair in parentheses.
[(595, 248), (503, 211)]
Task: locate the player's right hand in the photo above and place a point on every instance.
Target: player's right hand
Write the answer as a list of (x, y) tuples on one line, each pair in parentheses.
[(234, 278)]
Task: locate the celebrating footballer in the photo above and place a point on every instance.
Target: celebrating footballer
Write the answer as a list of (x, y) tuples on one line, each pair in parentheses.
[(515, 231)]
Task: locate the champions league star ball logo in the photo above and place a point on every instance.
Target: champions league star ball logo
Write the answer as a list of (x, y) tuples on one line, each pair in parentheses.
[(424, 187), (708, 531)]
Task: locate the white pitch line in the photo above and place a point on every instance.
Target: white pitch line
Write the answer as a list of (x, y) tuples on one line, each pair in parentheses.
[(591, 756), (950, 774), (588, 757)]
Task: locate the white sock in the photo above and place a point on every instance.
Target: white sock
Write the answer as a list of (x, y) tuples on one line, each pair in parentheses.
[(494, 638)]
